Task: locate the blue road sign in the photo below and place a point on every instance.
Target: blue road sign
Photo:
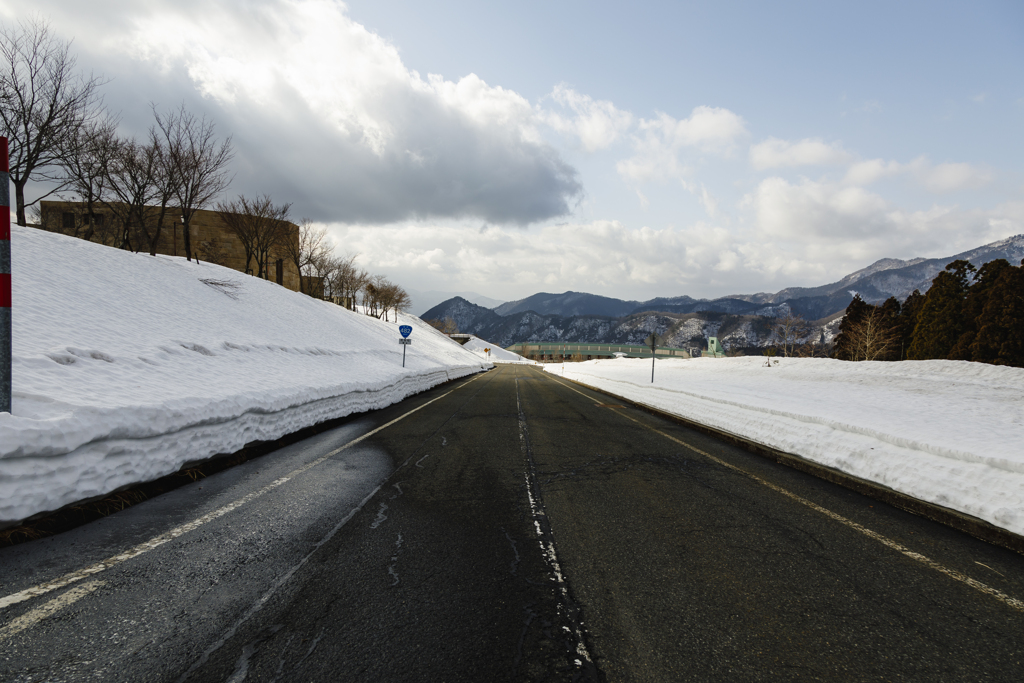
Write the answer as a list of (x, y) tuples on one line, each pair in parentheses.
[(405, 330)]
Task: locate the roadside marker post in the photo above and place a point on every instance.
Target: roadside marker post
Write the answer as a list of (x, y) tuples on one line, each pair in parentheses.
[(653, 341), (6, 335), (405, 331)]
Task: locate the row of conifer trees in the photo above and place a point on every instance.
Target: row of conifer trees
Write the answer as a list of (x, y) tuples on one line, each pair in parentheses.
[(969, 313)]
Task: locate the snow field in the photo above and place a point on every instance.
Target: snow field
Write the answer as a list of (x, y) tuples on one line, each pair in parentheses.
[(498, 355), (128, 366), (947, 432)]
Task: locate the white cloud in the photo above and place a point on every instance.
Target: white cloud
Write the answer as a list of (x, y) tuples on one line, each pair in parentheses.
[(940, 179), (804, 234), (597, 123), (644, 201), (951, 177), (813, 211), (836, 224), (776, 153), (709, 203), (327, 110), (710, 129), (659, 142), (869, 171)]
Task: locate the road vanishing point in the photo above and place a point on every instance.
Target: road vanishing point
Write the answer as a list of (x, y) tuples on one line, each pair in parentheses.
[(511, 526)]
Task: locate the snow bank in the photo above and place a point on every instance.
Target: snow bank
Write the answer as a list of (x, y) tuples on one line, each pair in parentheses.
[(128, 366), (497, 355), (947, 432)]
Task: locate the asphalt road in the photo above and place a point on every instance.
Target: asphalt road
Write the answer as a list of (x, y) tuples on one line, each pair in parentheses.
[(514, 527)]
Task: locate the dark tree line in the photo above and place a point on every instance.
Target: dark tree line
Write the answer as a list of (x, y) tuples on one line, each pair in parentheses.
[(969, 313)]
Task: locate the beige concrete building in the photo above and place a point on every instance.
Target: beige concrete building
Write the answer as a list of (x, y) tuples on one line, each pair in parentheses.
[(212, 240)]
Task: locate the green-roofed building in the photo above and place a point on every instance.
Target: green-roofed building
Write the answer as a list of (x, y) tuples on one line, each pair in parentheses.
[(577, 351)]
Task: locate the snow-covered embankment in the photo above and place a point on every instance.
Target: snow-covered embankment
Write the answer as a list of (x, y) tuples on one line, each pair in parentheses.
[(128, 366), (495, 353), (946, 432)]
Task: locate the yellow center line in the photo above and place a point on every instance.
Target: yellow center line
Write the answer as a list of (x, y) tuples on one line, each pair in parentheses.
[(38, 614), (888, 542)]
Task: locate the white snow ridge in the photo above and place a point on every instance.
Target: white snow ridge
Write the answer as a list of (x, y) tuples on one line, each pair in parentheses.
[(946, 432), (127, 366)]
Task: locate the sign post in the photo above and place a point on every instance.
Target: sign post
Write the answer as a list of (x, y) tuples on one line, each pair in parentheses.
[(405, 331), (6, 336), (652, 341)]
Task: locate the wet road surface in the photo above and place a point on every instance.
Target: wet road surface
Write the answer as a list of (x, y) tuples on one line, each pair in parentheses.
[(514, 527)]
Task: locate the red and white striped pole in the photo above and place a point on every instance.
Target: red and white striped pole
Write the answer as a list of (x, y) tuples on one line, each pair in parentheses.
[(5, 280)]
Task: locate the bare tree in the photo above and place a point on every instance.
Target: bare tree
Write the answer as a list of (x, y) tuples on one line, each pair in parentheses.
[(166, 182), (260, 225), (348, 279), (301, 251), (401, 301), (131, 181), (873, 336), (386, 296), (43, 103), (788, 331), (85, 157), (372, 295), (198, 160), (274, 233)]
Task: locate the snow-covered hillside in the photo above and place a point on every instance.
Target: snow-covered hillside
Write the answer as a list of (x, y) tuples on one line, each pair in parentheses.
[(947, 432), (495, 353), (127, 366)]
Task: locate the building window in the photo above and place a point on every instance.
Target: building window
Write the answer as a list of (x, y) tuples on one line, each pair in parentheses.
[(280, 271), (68, 220)]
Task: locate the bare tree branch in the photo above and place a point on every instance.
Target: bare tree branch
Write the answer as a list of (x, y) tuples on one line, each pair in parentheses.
[(198, 160), (43, 102)]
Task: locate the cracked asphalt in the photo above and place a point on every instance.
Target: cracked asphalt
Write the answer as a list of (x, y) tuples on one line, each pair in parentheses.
[(515, 528)]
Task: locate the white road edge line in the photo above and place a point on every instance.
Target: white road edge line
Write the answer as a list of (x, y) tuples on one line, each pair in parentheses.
[(263, 599), (33, 617), (928, 562), (157, 541), (547, 546)]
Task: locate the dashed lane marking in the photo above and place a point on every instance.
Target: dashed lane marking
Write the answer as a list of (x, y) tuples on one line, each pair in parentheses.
[(157, 541), (888, 542)]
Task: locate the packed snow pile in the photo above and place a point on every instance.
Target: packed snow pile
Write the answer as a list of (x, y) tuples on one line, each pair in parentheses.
[(947, 432), (127, 366), (496, 354)]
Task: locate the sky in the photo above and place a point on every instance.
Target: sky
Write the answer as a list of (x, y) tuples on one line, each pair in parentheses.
[(630, 150)]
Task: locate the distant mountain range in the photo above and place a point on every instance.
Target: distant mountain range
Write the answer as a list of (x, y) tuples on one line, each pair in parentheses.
[(423, 301), (743, 320)]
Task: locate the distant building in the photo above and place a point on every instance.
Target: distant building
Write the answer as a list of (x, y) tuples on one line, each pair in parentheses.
[(714, 349), (211, 239)]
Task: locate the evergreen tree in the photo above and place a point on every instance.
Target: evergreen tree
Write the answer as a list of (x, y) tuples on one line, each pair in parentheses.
[(941, 321), (1000, 337), (856, 313), (889, 319), (910, 311), (977, 298)]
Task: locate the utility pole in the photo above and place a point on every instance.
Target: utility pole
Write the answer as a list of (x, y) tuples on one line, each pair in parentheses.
[(6, 336)]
